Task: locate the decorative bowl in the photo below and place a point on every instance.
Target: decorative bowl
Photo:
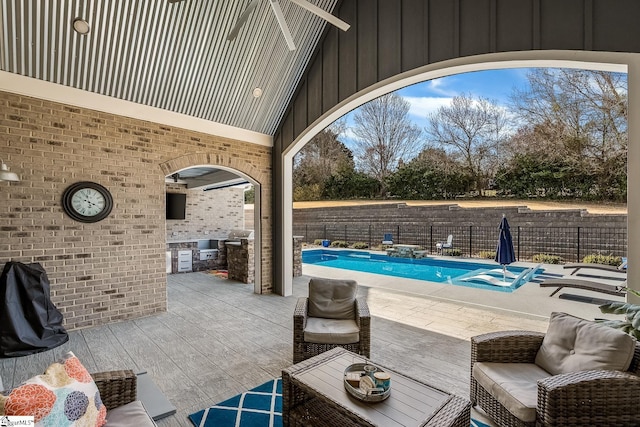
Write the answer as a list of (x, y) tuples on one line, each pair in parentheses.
[(372, 395)]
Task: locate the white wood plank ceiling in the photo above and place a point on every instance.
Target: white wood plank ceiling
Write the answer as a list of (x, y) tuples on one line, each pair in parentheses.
[(173, 56)]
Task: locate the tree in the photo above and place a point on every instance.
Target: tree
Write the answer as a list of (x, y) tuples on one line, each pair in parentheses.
[(579, 118), (472, 129), (384, 136), (321, 158), (583, 112)]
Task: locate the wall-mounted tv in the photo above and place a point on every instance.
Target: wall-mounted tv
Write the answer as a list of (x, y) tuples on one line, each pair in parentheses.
[(176, 205)]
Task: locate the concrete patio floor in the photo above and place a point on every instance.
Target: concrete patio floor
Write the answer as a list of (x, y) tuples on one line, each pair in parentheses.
[(218, 338)]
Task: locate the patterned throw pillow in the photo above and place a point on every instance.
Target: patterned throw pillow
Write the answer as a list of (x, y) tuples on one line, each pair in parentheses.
[(64, 396)]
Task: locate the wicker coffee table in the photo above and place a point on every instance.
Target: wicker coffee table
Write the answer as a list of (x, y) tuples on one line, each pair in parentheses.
[(313, 395)]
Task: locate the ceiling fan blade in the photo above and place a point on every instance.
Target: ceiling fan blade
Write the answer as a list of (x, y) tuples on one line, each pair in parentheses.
[(322, 14), (275, 5), (242, 19)]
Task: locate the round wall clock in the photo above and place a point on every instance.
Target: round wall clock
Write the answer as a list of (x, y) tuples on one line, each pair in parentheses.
[(87, 201)]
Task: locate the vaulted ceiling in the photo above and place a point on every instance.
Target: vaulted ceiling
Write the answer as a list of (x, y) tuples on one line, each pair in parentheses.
[(172, 55)]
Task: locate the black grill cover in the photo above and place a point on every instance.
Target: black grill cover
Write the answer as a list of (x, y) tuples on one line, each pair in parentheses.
[(29, 322)]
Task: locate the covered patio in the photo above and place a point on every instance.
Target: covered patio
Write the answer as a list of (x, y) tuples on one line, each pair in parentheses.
[(154, 88), (218, 338)]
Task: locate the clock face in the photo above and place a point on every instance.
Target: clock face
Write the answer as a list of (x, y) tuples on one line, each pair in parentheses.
[(87, 201)]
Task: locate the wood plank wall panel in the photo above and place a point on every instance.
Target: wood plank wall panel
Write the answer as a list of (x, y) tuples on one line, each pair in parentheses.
[(611, 28), (300, 121), (389, 38), (514, 26), (475, 27), (367, 53), (330, 70), (314, 90), (442, 23), (414, 34), (348, 52), (562, 24)]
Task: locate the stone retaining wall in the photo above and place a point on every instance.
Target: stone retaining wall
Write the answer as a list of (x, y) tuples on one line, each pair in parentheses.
[(570, 234)]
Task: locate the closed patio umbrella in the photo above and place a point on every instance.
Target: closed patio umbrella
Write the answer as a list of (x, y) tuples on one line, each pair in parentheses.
[(505, 254)]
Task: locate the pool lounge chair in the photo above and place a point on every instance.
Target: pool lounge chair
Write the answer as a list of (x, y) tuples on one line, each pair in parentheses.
[(505, 273), (388, 239), (445, 245), (589, 285), (622, 268), (523, 277)]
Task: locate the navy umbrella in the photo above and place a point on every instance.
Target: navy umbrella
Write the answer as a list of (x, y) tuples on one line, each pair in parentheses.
[(505, 254)]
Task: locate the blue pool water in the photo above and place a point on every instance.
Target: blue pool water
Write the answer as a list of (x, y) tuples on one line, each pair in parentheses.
[(433, 270)]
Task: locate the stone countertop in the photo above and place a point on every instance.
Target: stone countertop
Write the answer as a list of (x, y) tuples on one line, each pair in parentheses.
[(195, 240), (184, 241)]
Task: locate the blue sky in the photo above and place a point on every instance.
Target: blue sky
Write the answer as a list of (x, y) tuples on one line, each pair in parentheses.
[(426, 97), (495, 85)]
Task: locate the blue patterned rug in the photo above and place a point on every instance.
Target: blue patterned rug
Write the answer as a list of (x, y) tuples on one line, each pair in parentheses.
[(258, 407)]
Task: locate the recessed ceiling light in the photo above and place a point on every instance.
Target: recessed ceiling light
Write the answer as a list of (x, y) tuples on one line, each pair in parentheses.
[(257, 92), (81, 26)]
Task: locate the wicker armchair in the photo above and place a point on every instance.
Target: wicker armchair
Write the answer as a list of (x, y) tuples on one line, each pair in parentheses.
[(304, 349), (116, 388), (118, 392), (586, 398)]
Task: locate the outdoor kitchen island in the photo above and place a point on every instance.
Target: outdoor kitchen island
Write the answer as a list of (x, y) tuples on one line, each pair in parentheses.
[(234, 253), (196, 255)]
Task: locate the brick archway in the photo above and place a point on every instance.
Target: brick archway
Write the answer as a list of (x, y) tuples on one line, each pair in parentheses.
[(260, 180)]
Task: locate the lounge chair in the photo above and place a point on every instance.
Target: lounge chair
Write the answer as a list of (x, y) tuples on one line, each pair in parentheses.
[(589, 285), (445, 245), (622, 268), (523, 277), (388, 239), (505, 273)]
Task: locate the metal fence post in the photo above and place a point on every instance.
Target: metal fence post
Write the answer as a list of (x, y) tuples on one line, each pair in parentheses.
[(369, 234), (430, 238), (518, 257), (470, 239), (325, 232), (345, 233), (398, 233), (578, 260)]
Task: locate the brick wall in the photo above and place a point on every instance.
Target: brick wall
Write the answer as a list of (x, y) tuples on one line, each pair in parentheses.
[(114, 269), (208, 213)]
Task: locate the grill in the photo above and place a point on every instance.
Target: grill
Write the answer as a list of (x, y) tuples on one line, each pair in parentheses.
[(236, 235)]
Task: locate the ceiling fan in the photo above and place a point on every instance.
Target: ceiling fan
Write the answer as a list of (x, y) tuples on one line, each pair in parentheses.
[(277, 10)]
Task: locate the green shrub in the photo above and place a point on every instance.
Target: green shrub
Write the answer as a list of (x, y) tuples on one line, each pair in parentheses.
[(547, 259), (318, 242), (360, 245), (603, 259), (452, 252), (487, 254), (339, 244)]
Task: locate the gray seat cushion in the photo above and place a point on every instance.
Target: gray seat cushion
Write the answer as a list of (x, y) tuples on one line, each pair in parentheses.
[(131, 414), (572, 344), (514, 385), (332, 299), (331, 331)]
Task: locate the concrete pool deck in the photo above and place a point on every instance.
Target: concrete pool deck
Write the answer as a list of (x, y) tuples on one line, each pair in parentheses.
[(529, 299)]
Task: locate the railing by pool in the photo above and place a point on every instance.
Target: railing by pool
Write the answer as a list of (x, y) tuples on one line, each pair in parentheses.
[(570, 243)]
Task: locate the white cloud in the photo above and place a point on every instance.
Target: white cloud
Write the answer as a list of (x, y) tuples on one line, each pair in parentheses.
[(421, 107)]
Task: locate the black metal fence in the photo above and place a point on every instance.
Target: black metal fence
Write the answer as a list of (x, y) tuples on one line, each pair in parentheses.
[(570, 243)]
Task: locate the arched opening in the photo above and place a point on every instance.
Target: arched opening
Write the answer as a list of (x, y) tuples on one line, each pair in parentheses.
[(616, 62), (216, 185)]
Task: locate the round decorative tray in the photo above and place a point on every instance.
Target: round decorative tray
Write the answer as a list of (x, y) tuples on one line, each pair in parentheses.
[(371, 395)]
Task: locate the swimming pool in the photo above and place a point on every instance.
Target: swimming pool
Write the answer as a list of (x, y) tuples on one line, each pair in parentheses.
[(430, 269)]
